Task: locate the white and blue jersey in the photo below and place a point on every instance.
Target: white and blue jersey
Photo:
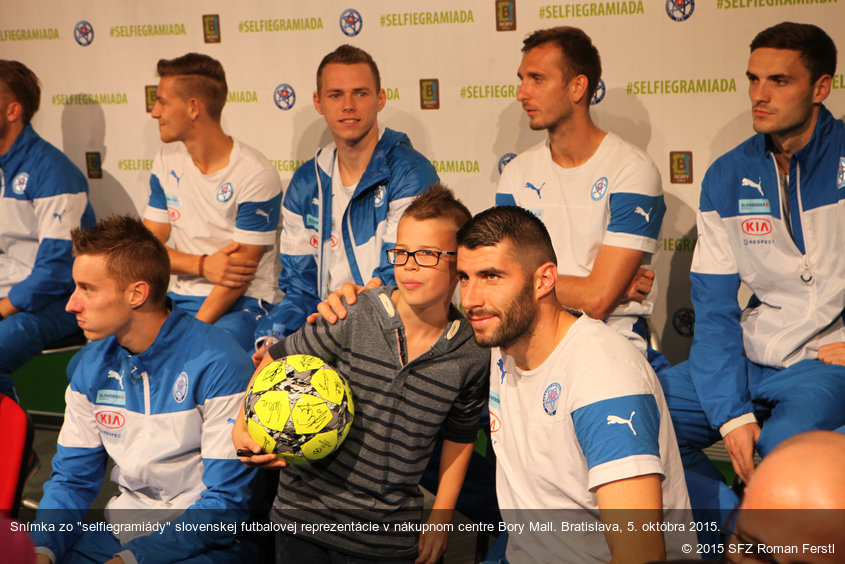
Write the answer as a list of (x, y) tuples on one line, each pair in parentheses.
[(165, 417), (42, 197), (797, 279), (615, 199), (206, 212), (395, 174), (591, 414)]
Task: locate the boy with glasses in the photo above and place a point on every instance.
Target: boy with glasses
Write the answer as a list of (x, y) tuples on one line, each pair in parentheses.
[(414, 368)]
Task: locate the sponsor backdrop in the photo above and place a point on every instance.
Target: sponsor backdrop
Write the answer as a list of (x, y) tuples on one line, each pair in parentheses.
[(673, 84)]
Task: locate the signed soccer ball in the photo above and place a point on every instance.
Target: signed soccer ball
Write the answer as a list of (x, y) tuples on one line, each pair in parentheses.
[(299, 408)]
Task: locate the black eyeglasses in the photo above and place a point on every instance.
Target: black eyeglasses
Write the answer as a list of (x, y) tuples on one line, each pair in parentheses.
[(424, 257)]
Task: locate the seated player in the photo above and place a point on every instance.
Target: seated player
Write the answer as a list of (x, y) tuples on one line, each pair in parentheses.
[(772, 217), (600, 197), (582, 433), (414, 368), (43, 196), (157, 393), (213, 200), (342, 207)]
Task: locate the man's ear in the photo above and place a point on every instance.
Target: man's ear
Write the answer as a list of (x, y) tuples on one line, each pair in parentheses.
[(578, 87), (194, 108), (14, 111), (137, 293), (545, 278), (821, 89)]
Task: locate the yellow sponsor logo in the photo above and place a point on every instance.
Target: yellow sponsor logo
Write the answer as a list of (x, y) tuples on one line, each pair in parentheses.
[(427, 18), (734, 4), (147, 30), (590, 10), (681, 245), (457, 166), (135, 164), (478, 91), (286, 165), (90, 99), (242, 97), (29, 34), (692, 86), (269, 24)]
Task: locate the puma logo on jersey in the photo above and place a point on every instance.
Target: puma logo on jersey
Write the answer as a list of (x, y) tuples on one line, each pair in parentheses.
[(58, 215), (751, 184), (117, 376), (532, 187), (264, 213), (616, 420), (178, 178), (643, 213)]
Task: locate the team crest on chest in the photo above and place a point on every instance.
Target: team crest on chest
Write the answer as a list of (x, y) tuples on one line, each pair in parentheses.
[(224, 193), (551, 397), (19, 183), (840, 177), (599, 189), (379, 197), (180, 388)]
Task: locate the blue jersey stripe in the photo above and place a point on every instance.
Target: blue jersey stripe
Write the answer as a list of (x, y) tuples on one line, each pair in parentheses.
[(157, 198), (636, 214), (617, 428), (505, 200), (259, 216)]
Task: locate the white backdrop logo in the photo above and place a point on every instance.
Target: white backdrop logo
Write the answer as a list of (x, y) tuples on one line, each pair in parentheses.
[(598, 95), (504, 160), (351, 22), (284, 96), (83, 32), (683, 321), (680, 10)]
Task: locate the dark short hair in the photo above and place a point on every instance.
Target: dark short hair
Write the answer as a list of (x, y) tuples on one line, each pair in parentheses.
[(348, 55), (578, 54), (818, 52), (438, 202), (132, 252), (201, 76), (22, 83), (528, 236)]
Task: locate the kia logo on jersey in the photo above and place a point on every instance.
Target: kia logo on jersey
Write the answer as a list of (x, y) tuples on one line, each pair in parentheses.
[(110, 419), (757, 226)]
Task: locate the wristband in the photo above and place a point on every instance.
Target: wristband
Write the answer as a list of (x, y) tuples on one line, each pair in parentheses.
[(202, 262)]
